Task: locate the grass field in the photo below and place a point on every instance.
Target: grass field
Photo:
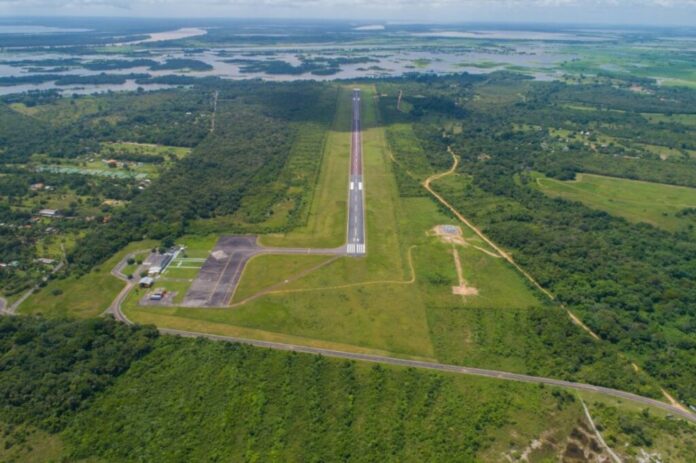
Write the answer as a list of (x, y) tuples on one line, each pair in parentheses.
[(264, 271), (636, 201), (686, 119), (176, 152), (85, 296)]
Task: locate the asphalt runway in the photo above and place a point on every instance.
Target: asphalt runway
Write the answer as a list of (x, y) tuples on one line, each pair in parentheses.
[(355, 242)]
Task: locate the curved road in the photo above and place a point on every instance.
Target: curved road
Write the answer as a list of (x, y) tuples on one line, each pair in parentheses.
[(115, 309), (442, 367)]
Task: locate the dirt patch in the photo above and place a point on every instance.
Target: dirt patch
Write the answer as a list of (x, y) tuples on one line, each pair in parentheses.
[(452, 234), (582, 446), (463, 289), (448, 234)]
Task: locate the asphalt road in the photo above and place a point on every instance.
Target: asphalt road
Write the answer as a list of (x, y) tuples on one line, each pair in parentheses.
[(355, 243)]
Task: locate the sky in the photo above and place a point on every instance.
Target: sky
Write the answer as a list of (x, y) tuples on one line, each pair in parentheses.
[(655, 12)]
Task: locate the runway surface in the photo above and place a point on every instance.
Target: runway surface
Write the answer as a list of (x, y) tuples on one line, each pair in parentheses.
[(355, 243)]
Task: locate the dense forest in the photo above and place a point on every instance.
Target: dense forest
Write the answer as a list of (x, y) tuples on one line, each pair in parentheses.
[(164, 396)]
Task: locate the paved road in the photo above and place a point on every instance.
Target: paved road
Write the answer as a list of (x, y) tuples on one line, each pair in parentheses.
[(503, 375), (444, 368), (12, 309), (356, 199)]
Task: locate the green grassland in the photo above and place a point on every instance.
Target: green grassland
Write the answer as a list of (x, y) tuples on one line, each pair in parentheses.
[(56, 246), (29, 445), (83, 296), (61, 111), (94, 164), (264, 271), (176, 152), (685, 119), (674, 68), (636, 201)]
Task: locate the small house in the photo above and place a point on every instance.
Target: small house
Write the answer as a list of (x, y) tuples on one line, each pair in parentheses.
[(48, 213), (146, 282)]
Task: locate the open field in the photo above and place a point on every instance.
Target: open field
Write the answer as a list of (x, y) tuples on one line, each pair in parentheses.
[(636, 201), (685, 119), (266, 270), (169, 152)]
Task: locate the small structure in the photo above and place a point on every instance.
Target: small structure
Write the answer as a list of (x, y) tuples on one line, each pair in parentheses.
[(45, 261), (48, 213), (158, 294), (37, 186), (111, 162), (146, 282), (154, 270)]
